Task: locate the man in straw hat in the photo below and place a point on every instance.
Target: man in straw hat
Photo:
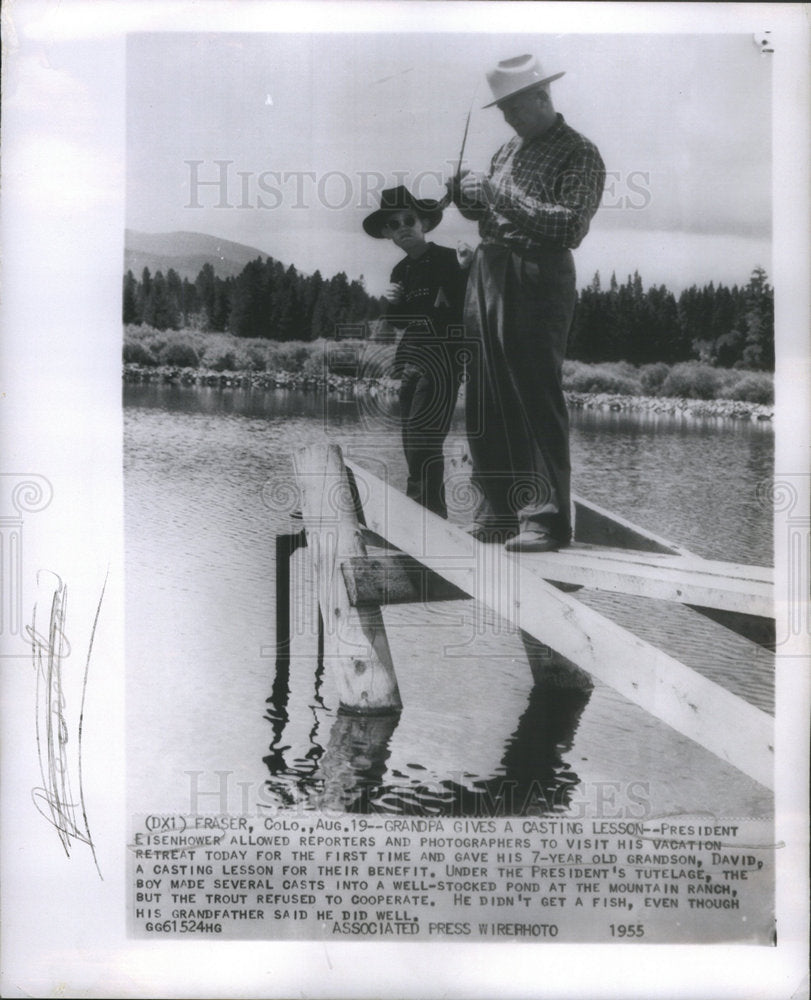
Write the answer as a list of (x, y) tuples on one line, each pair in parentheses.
[(426, 297), (533, 207)]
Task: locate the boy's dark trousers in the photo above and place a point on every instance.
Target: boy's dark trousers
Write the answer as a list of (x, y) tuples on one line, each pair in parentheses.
[(428, 392)]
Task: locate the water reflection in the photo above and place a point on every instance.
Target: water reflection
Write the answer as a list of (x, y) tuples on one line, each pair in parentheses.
[(354, 762), (350, 773)]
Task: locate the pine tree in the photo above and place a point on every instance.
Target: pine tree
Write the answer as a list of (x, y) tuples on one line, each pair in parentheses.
[(250, 312), (312, 291), (221, 309), (131, 312), (758, 351), (174, 291), (144, 290), (190, 304), (204, 284), (340, 301), (589, 337), (159, 310), (288, 307)]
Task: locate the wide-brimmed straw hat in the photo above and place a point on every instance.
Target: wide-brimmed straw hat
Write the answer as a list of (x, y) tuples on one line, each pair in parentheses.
[(511, 76), (400, 199)]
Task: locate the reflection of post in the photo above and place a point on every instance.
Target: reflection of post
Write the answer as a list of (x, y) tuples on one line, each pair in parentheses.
[(355, 643), (549, 667), (286, 545), (24, 493), (354, 762), (536, 777)]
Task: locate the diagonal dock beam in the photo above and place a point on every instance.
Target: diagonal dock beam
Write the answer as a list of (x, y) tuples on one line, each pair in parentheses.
[(737, 732)]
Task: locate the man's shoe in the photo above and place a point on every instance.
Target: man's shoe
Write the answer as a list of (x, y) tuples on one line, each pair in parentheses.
[(483, 533), (533, 541)]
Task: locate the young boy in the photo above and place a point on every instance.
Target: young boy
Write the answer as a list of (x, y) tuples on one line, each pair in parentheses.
[(426, 297)]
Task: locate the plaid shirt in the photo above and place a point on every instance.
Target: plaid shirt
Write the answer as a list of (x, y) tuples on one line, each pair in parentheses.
[(546, 190)]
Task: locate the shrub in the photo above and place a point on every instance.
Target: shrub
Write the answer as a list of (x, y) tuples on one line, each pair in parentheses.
[(138, 352), (180, 353), (653, 376), (225, 353), (619, 378), (221, 360), (752, 387), (287, 356), (624, 369), (693, 380), (377, 360), (257, 358), (315, 363)]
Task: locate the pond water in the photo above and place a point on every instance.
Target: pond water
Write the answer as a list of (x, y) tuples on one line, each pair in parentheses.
[(215, 723)]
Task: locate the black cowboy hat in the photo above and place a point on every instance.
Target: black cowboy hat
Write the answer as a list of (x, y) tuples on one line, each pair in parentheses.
[(400, 199)]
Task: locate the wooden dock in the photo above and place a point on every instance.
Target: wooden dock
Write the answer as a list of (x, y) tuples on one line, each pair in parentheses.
[(418, 556)]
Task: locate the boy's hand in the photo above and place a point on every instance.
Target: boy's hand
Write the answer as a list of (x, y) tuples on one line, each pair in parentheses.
[(394, 293)]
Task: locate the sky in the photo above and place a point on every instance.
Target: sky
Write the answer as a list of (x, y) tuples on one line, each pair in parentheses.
[(283, 141)]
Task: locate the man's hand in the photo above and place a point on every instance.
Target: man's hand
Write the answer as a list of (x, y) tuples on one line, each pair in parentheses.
[(476, 189), (464, 254), (394, 293)]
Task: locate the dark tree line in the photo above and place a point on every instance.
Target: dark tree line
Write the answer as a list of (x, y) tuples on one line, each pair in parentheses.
[(723, 326), (730, 327), (264, 300)]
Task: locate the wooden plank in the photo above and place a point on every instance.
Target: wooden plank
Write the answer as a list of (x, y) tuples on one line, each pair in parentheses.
[(355, 643), (597, 526), (729, 727), (395, 578), (683, 579)]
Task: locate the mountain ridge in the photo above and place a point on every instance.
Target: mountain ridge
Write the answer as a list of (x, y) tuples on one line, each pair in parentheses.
[(187, 252)]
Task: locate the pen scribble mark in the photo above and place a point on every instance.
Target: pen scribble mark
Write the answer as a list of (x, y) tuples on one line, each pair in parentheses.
[(56, 799)]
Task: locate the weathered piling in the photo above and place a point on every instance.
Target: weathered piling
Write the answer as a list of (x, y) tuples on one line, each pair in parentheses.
[(356, 648)]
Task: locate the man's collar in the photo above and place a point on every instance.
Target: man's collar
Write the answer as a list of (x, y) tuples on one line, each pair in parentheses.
[(554, 129)]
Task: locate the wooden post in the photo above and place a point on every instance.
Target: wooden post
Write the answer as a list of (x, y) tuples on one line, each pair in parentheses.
[(355, 644)]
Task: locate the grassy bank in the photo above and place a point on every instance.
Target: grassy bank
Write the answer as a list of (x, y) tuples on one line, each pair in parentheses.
[(194, 357)]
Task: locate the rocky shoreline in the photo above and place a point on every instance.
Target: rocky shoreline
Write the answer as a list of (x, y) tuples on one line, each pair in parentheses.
[(729, 409)]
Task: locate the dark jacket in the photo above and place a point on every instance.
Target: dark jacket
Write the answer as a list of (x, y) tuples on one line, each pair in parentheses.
[(433, 299)]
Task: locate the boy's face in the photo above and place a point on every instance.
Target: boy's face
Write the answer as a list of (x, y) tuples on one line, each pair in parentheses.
[(405, 229)]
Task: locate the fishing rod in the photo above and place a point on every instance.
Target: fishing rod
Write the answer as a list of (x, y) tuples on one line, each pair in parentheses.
[(447, 198)]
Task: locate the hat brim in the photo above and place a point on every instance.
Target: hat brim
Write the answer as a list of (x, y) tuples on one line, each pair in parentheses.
[(373, 224), (536, 83)]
